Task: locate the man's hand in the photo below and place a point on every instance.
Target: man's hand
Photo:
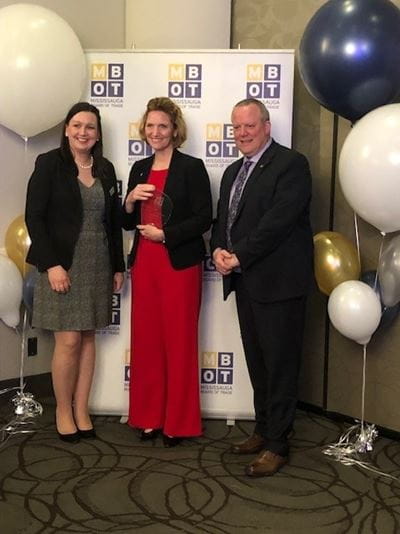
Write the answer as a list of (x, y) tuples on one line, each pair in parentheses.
[(224, 261), (232, 262)]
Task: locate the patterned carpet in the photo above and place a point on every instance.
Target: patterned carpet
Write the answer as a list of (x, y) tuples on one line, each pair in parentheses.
[(119, 484)]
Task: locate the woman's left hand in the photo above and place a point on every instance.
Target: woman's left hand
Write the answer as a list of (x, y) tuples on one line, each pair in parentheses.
[(151, 232), (118, 281)]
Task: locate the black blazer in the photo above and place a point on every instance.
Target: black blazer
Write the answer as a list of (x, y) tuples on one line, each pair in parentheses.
[(188, 186), (271, 235), (54, 212)]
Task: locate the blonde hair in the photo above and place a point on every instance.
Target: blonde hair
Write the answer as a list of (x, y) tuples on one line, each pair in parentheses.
[(248, 101), (174, 112)]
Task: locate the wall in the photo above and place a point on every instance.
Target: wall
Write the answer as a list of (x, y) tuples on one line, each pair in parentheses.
[(159, 25)]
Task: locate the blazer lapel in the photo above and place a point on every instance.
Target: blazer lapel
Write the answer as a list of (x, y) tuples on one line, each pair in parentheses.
[(70, 173), (173, 174), (258, 170), (145, 169), (234, 172)]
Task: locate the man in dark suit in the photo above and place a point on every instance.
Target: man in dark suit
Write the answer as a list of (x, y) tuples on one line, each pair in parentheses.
[(262, 245)]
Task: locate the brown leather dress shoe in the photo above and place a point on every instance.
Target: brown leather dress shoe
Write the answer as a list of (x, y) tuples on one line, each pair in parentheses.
[(251, 445), (266, 464)]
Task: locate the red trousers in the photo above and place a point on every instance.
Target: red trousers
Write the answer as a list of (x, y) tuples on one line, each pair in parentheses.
[(164, 375)]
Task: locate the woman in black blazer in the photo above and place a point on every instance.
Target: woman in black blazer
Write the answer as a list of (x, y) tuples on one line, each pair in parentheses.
[(166, 273), (73, 219)]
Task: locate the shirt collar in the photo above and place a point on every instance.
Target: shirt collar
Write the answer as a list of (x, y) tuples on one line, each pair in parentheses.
[(254, 159)]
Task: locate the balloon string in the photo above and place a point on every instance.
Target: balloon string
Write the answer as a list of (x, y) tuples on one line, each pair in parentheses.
[(357, 237), (383, 234), (26, 172), (24, 272), (23, 344), (24, 321), (363, 387), (2, 391)]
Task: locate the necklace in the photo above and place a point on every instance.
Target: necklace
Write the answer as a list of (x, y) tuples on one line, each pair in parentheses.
[(88, 166)]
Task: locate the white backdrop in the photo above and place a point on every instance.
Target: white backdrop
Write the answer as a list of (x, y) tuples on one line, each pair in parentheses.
[(206, 84)]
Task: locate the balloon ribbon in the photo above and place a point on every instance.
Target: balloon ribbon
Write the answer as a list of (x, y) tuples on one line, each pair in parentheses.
[(358, 439), (26, 408)]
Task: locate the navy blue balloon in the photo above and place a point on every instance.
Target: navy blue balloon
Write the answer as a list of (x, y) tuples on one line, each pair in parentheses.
[(28, 287), (349, 57), (389, 313)]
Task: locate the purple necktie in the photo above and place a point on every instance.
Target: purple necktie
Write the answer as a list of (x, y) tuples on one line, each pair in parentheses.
[(237, 193)]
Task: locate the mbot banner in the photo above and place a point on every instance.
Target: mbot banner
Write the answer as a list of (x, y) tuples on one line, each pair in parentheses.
[(206, 85)]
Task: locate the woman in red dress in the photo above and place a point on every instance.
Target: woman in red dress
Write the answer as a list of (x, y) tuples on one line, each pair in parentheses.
[(166, 269)]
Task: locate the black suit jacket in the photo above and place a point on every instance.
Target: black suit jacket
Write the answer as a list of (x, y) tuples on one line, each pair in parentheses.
[(54, 212), (188, 186), (271, 234)]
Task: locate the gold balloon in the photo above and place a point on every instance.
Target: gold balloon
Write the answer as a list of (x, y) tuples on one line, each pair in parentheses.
[(17, 243), (335, 260)]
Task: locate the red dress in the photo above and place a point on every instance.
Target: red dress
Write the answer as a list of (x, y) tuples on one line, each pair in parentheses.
[(164, 376)]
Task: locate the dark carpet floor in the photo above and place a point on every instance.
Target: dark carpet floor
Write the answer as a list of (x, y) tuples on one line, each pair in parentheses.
[(117, 483)]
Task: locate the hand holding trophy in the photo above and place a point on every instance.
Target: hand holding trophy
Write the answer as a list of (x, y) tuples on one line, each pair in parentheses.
[(156, 210), (155, 213)]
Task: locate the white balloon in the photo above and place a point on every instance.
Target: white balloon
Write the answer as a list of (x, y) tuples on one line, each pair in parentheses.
[(42, 68), (369, 168), (10, 291), (355, 310)]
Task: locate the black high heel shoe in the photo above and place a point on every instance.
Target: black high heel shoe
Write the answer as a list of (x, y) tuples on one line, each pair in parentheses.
[(170, 441), (69, 438), (148, 436), (87, 434)]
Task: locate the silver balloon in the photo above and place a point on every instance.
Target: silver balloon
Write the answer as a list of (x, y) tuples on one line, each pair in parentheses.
[(389, 273)]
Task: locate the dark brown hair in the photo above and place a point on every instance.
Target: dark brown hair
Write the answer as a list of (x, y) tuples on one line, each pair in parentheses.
[(97, 149)]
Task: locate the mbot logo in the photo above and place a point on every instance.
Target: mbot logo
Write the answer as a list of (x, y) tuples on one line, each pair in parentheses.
[(217, 368), (127, 368), (119, 189), (107, 80), (116, 309), (184, 80), (209, 265), (263, 81), (136, 146), (219, 141)]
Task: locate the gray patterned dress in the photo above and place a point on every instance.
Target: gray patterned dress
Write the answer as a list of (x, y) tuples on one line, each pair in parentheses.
[(87, 305)]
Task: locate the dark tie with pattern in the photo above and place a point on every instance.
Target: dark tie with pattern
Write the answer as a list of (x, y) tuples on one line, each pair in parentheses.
[(237, 193)]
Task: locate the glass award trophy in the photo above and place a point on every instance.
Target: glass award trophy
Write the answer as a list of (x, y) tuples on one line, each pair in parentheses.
[(156, 210)]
